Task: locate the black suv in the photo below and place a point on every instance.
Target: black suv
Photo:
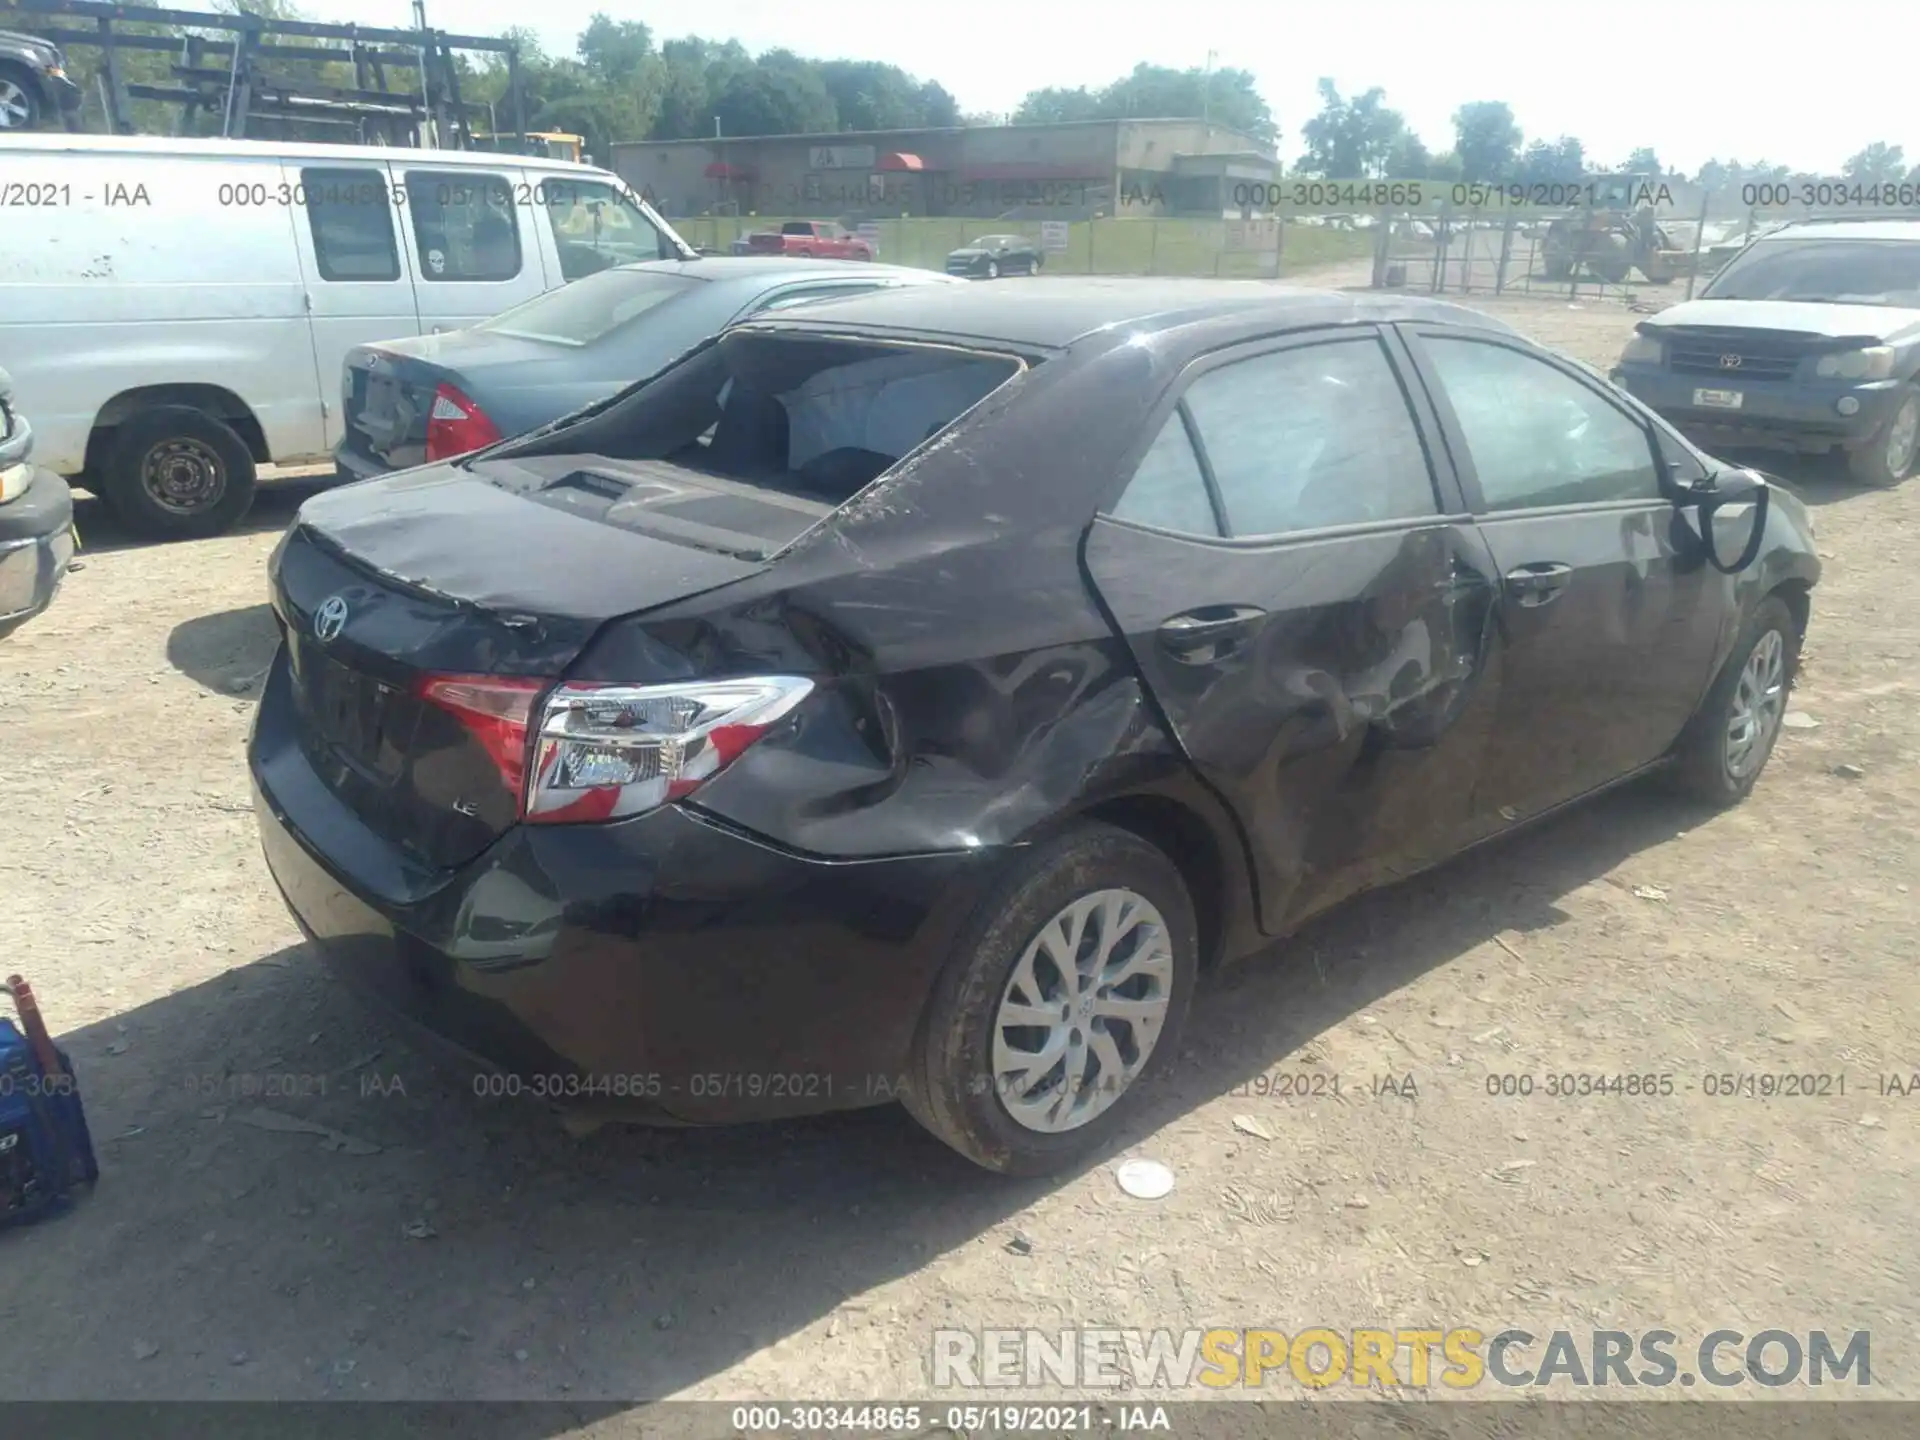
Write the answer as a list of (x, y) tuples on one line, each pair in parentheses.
[(1809, 340), (34, 85)]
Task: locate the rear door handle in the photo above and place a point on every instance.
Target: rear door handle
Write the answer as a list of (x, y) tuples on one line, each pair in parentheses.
[(1538, 583), (1209, 633)]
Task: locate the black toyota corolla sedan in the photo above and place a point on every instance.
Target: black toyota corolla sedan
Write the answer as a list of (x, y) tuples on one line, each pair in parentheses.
[(906, 697)]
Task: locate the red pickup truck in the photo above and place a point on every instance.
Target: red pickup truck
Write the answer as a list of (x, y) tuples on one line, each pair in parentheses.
[(821, 238)]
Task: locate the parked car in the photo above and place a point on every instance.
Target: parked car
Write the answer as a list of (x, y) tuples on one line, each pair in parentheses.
[(34, 85), (809, 727), (176, 312), (36, 522), (432, 397), (1809, 341), (992, 256), (821, 239)]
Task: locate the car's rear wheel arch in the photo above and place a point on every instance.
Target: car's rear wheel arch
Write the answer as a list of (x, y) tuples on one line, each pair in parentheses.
[(1184, 837)]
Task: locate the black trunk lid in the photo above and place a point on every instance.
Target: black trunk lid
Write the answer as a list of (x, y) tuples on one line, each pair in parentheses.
[(503, 570)]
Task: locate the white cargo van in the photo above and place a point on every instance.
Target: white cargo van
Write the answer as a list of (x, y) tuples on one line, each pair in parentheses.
[(176, 312)]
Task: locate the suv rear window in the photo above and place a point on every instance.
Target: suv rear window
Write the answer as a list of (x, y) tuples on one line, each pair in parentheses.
[(1845, 272), (814, 418)]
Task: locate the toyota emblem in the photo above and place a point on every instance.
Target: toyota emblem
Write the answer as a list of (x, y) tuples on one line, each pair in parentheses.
[(330, 619), (1729, 362)]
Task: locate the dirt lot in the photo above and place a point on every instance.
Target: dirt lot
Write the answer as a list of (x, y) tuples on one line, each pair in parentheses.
[(479, 1252)]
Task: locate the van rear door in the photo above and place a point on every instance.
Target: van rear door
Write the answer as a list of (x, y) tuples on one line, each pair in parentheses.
[(353, 255), (469, 234)]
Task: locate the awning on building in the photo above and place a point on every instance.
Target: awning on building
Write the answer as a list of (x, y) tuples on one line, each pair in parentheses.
[(720, 170), (900, 160)]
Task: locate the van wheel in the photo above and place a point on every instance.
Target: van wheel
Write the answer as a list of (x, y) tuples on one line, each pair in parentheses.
[(1060, 1006), (176, 473)]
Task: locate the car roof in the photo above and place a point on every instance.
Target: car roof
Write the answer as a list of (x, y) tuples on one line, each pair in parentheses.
[(163, 147), (774, 268), (1889, 229), (1055, 313)]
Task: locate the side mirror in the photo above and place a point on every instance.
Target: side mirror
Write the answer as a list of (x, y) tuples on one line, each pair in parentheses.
[(1723, 487), (1719, 490)]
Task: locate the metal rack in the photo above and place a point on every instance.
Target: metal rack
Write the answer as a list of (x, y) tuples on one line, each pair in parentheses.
[(229, 78)]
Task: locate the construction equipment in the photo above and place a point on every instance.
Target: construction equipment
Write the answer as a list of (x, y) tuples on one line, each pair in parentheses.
[(1615, 232), (388, 86), (45, 1150)]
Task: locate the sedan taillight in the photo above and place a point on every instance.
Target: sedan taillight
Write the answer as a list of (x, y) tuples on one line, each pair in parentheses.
[(604, 751), (455, 425), (616, 750)]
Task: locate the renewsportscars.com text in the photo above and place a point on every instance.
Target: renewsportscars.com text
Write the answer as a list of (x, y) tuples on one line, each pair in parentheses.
[(1458, 1358)]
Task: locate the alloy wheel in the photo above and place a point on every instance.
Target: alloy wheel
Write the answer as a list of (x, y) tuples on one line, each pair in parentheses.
[(15, 111), (1082, 1011), (1903, 437), (1758, 699)]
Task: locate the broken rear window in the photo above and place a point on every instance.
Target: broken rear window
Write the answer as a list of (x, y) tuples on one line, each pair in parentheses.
[(816, 418)]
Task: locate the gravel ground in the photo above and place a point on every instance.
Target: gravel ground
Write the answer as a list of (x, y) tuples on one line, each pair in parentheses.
[(450, 1246)]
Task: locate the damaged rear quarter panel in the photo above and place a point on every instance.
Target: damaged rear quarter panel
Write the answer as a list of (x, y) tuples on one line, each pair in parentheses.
[(972, 690)]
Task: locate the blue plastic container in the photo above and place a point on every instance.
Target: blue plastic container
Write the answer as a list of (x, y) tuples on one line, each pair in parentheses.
[(45, 1150)]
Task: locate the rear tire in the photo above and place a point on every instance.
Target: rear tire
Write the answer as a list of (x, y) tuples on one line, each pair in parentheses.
[(176, 473), (1888, 457), (1718, 760), (965, 1081), (19, 100)]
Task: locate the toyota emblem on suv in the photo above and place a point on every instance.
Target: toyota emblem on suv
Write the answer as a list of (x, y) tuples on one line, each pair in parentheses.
[(330, 619), (1729, 362)]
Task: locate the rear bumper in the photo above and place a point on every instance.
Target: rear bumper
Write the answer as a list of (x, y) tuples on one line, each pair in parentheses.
[(36, 546), (663, 968), (1774, 414), (350, 465)]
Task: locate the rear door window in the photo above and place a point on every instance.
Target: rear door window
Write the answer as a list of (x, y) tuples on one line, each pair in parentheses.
[(464, 225), (350, 214), (1310, 437), (1168, 490)]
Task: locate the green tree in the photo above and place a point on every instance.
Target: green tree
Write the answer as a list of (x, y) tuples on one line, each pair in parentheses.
[(1561, 161), (1644, 162), (1154, 92), (937, 105), (1350, 138), (1878, 164), (780, 95), (1056, 105), (1445, 166), (1408, 158), (871, 96), (1487, 140)]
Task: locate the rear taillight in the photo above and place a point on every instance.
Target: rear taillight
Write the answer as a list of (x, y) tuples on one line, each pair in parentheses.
[(495, 711), (616, 750), (605, 751), (456, 425)]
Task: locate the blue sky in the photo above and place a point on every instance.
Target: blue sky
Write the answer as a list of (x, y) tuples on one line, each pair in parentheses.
[(1792, 83)]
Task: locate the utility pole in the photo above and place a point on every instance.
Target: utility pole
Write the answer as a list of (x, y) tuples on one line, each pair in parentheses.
[(1206, 90)]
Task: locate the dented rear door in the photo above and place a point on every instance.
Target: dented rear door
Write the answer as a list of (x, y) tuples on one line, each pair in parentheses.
[(1311, 610)]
